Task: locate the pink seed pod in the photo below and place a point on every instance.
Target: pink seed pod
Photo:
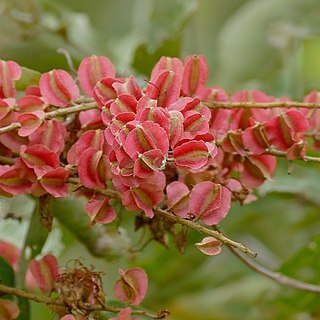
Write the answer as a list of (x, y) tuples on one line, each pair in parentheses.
[(45, 272), (210, 246), (53, 180), (58, 88), (31, 103), (165, 89), (256, 169), (191, 155), (210, 202), (124, 314), (30, 122), (132, 287), (8, 310), (10, 71), (167, 63), (93, 69), (178, 198), (195, 74), (99, 210)]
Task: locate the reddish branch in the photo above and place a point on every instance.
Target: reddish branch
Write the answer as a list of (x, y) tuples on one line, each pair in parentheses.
[(261, 105), (48, 301), (283, 154)]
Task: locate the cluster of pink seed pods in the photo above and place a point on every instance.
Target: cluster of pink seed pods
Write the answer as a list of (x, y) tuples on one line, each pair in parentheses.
[(161, 145), (157, 145)]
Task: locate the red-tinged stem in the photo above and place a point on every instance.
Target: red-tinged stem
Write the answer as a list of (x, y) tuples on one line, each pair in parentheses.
[(48, 301), (283, 154), (262, 105), (54, 114)]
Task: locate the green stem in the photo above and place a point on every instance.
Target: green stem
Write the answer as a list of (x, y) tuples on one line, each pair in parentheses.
[(54, 114)]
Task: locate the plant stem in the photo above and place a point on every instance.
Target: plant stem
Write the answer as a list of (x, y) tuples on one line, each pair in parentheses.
[(24, 294), (210, 104), (69, 110), (283, 154), (45, 300), (274, 152), (275, 276), (213, 233), (10, 127), (54, 114), (7, 160), (262, 105)]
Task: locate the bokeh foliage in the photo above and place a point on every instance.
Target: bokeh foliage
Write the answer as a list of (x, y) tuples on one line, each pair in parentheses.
[(272, 45)]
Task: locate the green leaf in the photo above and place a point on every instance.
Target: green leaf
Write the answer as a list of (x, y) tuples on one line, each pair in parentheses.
[(29, 77), (305, 264), (144, 60), (24, 306), (6, 273), (302, 182), (286, 303), (37, 234), (311, 63), (101, 241), (258, 42), (6, 276), (34, 242), (167, 21)]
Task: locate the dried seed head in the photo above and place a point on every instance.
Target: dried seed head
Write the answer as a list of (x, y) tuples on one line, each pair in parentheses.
[(79, 288)]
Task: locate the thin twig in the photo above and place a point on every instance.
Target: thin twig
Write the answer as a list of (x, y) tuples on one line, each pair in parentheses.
[(48, 301), (7, 160), (213, 233), (274, 152), (54, 114), (262, 105), (275, 276), (283, 154), (69, 60), (10, 127), (69, 110), (24, 294), (137, 312)]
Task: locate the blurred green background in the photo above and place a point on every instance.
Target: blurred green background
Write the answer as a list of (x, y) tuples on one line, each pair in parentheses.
[(272, 45)]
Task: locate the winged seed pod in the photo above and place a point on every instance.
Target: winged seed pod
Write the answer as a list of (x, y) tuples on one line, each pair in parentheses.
[(210, 246)]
